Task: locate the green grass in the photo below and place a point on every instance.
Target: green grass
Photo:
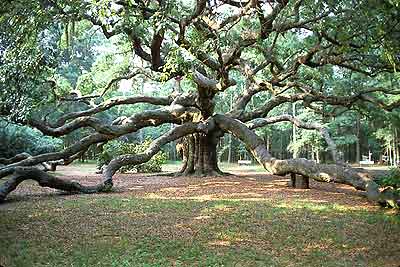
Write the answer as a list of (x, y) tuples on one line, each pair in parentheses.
[(113, 230)]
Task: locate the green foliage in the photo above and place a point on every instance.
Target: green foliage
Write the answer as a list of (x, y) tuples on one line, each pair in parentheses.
[(42, 42), (117, 148), (392, 179), (392, 182), (15, 139)]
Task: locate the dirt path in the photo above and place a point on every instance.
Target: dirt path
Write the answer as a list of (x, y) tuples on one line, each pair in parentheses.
[(242, 185)]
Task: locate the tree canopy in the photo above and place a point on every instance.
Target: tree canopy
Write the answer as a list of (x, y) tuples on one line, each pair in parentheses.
[(198, 70)]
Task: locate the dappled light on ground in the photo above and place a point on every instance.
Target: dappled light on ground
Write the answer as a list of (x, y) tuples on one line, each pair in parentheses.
[(244, 219), (245, 185)]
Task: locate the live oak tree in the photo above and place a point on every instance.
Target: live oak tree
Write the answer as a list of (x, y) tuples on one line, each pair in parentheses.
[(268, 53)]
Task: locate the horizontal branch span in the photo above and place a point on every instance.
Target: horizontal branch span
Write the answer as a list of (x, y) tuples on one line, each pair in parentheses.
[(20, 174), (129, 124), (312, 96), (164, 101), (358, 178), (16, 158), (44, 179), (173, 114), (260, 122)]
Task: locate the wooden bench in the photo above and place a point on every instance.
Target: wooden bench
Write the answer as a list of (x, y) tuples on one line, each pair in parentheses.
[(367, 162), (244, 162)]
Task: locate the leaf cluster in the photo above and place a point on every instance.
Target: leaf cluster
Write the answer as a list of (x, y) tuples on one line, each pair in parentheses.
[(117, 148)]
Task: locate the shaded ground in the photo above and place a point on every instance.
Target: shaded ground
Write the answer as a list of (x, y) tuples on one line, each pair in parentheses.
[(246, 219), (245, 183)]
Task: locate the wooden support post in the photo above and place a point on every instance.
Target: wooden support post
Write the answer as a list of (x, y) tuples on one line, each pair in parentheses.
[(292, 182), (299, 181)]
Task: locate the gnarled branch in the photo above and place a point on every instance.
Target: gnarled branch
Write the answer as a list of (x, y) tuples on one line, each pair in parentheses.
[(358, 178)]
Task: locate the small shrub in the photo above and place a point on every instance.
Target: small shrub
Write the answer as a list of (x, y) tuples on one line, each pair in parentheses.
[(118, 148), (392, 179), (392, 182)]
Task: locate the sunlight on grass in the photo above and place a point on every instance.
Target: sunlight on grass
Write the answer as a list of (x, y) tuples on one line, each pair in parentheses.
[(114, 231)]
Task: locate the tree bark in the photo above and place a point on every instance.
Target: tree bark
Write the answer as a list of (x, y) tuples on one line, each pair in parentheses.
[(358, 151), (44, 179), (199, 153), (336, 173)]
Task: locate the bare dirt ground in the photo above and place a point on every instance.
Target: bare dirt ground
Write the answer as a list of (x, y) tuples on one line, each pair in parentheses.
[(243, 184), (153, 217)]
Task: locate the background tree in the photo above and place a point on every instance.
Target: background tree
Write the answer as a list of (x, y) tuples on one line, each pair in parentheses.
[(323, 57)]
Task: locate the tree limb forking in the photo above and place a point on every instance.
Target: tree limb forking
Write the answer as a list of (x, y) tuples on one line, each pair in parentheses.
[(282, 48), (174, 114), (164, 101), (20, 174), (308, 96)]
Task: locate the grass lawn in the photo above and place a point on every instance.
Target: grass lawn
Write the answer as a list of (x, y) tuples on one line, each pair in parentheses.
[(131, 229)]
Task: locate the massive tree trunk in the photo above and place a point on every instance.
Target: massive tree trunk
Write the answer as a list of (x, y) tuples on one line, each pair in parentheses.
[(199, 150), (199, 153)]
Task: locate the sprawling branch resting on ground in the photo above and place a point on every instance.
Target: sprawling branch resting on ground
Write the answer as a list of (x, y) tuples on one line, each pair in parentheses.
[(358, 178), (44, 179), (20, 174), (214, 54), (260, 122)]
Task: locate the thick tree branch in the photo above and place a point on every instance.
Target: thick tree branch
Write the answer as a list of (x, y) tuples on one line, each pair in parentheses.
[(20, 174), (358, 178), (260, 122), (164, 101), (16, 158), (173, 114), (156, 60), (155, 146), (311, 95), (44, 179)]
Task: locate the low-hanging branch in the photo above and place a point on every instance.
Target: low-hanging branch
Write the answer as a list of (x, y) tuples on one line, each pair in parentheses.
[(173, 114), (16, 158), (44, 179), (270, 46), (358, 178), (132, 123), (20, 174)]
